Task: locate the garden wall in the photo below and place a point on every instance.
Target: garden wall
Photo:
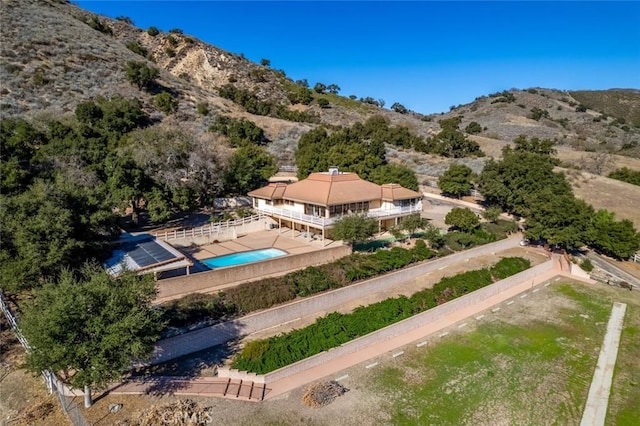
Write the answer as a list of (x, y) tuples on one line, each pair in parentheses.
[(217, 334), (536, 275), (173, 288)]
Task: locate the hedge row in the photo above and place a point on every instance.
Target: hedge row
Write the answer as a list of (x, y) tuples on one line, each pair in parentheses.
[(269, 292), (263, 356)]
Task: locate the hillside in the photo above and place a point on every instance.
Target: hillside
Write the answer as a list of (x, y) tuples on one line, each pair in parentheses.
[(55, 55)]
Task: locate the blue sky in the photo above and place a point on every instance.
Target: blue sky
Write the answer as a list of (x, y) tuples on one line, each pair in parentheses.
[(425, 55)]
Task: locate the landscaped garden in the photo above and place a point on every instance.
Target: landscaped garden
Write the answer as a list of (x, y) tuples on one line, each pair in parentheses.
[(263, 356)]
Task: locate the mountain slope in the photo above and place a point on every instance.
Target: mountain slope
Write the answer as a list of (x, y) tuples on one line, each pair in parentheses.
[(55, 55)]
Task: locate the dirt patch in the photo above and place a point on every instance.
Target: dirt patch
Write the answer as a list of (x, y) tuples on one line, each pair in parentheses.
[(24, 399)]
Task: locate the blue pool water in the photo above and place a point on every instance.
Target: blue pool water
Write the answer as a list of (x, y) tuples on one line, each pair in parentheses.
[(242, 258)]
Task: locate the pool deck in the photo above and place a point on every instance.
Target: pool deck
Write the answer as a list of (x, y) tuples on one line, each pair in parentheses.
[(291, 242)]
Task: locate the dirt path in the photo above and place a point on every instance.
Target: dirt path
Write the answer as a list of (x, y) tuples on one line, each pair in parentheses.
[(596, 408)]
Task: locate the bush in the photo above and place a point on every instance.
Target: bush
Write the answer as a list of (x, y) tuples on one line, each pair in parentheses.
[(99, 25), (153, 31), (263, 356), (136, 47), (473, 128), (170, 52), (203, 108), (166, 103), (140, 74), (587, 265), (269, 292), (172, 41), (176, 31)]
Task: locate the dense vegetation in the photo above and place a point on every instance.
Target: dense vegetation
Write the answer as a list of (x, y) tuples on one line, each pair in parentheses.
[(272, 291), (65, 184), (263, 356), (361, 149), (524, 183)]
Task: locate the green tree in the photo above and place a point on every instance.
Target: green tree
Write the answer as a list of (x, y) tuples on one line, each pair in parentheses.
[(249, 167), (511, 182), (559, 218), (473, 128), (462, 218), (91, 328), (614, 238), (535, 146), (456, 180), (492, 213), (354, 228), (140, 75), (333, 88), (320, 88), (399, 108), (414, 222), (395, 173), (166, 103)]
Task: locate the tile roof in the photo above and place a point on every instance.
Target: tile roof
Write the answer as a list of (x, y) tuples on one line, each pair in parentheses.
[(327, 189)]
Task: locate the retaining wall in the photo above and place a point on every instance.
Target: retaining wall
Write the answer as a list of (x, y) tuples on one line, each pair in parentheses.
[(172, 288), (537, 274), (325, 302)]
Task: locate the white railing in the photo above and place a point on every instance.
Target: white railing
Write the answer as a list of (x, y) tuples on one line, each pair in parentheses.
[(209, 229), (325, 221)]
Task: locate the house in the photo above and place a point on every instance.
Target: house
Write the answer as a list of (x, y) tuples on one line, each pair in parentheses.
[(312, 205)]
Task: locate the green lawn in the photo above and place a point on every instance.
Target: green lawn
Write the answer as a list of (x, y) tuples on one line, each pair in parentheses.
[(526, 372)]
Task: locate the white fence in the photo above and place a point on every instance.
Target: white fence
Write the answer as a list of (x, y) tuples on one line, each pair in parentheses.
[(325, 221), (220, 228)]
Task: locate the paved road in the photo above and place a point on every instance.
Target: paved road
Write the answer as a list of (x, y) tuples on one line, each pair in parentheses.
[(607, 266), (208, 337)]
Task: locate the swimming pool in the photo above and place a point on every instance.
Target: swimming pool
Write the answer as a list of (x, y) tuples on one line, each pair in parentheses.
[(242, 258)]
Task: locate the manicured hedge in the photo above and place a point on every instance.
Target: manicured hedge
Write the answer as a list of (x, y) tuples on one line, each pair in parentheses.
[(269, 292), (263, 356)]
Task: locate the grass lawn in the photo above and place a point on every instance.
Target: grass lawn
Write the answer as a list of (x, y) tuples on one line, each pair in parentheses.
[(531, 364)]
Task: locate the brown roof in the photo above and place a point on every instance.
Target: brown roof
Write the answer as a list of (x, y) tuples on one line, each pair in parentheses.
[(273, 191), (327, 189), (393, 191)]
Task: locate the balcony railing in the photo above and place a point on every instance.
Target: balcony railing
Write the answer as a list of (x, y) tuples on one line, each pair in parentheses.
[(327, 221)]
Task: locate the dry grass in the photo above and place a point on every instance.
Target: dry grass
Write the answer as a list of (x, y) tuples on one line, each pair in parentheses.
[(603, 193)]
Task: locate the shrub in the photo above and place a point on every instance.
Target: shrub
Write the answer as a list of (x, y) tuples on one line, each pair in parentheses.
[(203, 108), (136, 47), (172, 41), (153, 31), (166, 103), (263, 356), (473, 128), (140, 74), (176, 31), (99, 25), (170, 52), (587, 265)]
